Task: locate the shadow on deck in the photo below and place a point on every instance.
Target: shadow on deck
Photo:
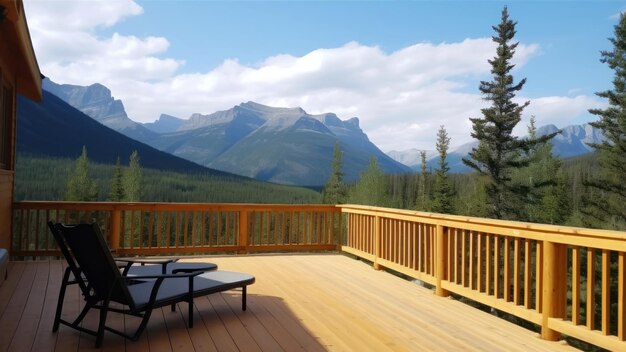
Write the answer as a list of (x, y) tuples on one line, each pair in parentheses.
[(299, 302)]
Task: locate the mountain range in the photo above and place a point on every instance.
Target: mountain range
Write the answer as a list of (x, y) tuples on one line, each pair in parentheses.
[(284, 145), (572, 141), (52, 127)]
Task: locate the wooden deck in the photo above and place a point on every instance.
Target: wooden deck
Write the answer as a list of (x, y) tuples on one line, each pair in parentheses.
[(299, 302)]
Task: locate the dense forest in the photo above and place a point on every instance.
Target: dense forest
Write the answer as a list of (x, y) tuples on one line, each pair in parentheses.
[(468, 192), (46, 178)]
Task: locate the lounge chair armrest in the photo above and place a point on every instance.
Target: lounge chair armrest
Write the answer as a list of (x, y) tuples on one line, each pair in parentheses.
[(147, 260), (165, 276), (188, 270), (130, 261), (161, 278)]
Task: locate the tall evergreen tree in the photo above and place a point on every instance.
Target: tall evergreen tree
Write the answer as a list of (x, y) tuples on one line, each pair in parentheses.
[(80, 187), (423, 199), (371, 188), (116, 193), (335, 190), (608, 206), (442, 200), (132, 179), (498, 151)]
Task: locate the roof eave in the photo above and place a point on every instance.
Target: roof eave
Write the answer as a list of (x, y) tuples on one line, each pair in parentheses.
[(28, 74)]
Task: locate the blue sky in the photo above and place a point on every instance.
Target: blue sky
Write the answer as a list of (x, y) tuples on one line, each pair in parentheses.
[(402, 67), (571, 33)]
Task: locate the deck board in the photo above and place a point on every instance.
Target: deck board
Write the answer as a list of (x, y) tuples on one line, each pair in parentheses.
[(299, 302)]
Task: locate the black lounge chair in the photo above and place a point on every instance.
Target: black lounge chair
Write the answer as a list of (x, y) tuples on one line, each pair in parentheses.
[(101, 282)]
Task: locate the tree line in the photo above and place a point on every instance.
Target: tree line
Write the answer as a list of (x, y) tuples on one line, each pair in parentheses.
[(125, 184), (49, 178)]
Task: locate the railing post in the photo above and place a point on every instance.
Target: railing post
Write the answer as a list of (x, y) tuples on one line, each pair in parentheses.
[(554, 287), (244, 229), (338, 228), (115, 229), (377, 243), (442, 261)]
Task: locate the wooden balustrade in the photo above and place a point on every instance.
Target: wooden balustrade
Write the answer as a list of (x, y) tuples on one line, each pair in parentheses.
[(566, 280), (169, 228)]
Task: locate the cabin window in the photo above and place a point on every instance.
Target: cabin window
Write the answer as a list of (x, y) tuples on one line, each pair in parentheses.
[(6, 112)]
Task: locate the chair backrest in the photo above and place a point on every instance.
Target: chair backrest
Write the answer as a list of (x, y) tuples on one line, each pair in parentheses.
[(71, 261), (84, 248)]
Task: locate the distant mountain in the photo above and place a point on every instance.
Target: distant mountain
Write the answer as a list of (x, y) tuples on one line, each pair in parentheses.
[(573, 140), (165, 124), (97, 102), (53, 127), (411, 157), (285, 145)]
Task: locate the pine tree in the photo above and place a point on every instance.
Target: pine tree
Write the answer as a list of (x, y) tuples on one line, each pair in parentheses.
[(335, 190), (80, 187), (442, 202), (116, 193), (371, 188), (423, 191), (132, 179), (608, 206), (547, 200), (498, 151)]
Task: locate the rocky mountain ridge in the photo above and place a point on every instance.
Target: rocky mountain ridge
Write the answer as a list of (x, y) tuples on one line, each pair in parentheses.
[(285, 145)]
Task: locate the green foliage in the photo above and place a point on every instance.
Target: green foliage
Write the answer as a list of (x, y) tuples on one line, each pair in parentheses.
[(132, 179), (471, 197), (499, 152), (80, 187), (442, 193), (335, 190), (116, 192), (547, 200), (423, 198), (45, 178), (605, 204), (371, 188)]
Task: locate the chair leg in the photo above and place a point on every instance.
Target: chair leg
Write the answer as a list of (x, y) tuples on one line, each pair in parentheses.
[(190, 302), (82, 314), (101, 324), (57, 315), (190, 312), (243, 297), (142, 325)]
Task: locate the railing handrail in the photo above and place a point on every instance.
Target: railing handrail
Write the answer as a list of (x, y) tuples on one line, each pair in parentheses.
[(508, 227), (164, 206)]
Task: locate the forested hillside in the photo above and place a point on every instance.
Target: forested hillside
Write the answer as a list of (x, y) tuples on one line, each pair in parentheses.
[(52, 127), (45, 178)]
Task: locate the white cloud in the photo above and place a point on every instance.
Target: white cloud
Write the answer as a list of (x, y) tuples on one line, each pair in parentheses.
[(401, 97)]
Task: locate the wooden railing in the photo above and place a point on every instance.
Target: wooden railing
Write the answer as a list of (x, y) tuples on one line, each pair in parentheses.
[(566, 280), (168, 228)]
